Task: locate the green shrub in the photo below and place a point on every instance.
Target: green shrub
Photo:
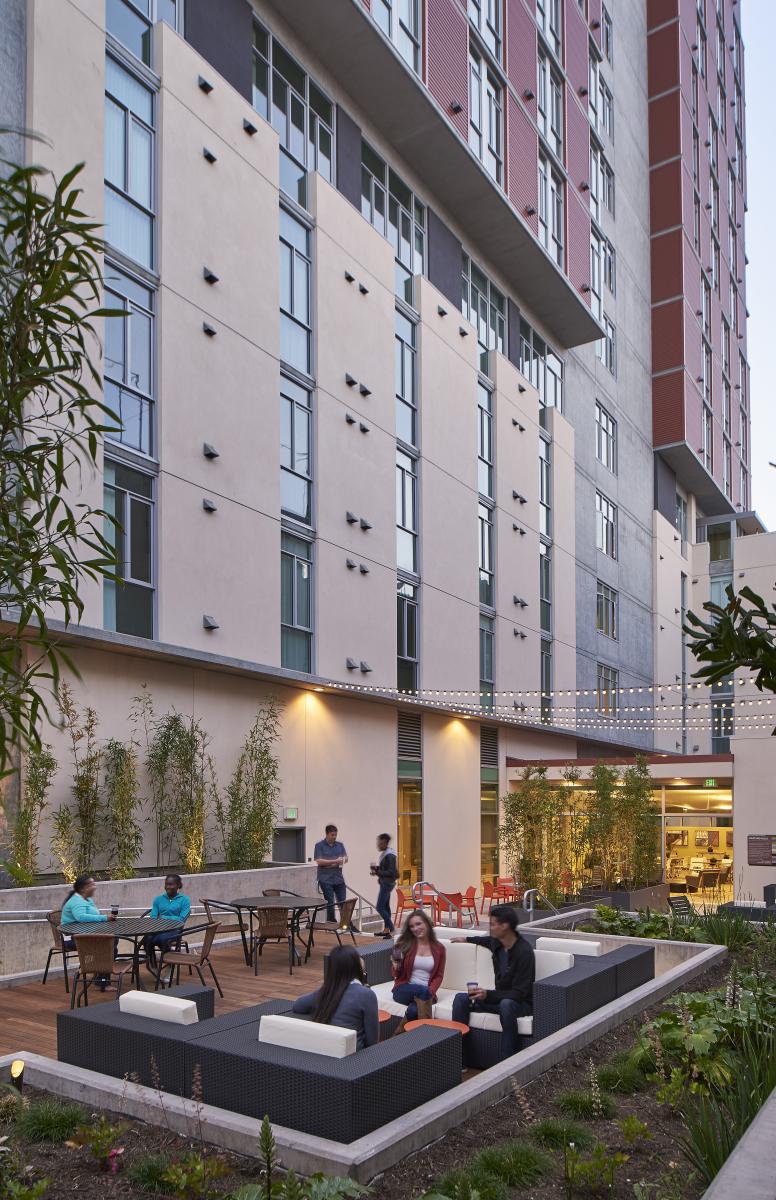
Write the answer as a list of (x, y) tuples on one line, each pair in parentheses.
[(622, 1074), (726, 928), (518, 1163), (148, 1172), (49, 1120), (633, 1130), (465, 1185), (582, 1104), (555, 1133)]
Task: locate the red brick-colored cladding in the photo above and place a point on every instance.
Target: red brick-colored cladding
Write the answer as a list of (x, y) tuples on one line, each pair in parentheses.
[(577, 51), (447, 33), (521, 52), (579, 245), (522, 163)]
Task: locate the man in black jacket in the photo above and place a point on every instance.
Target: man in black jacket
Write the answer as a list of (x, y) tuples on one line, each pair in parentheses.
[(514, 970), (387, 871)]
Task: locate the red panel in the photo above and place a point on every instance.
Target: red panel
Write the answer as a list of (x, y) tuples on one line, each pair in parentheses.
[(667, 336), (668, 408), (577, 49), (366, 4), (521, 53), (448, 60), (666, 268), (693, 415), (665, 196), (661, 11), (594, 16), (578, 256), (577, 144), (663, 60), (664, 128), (522, 164)]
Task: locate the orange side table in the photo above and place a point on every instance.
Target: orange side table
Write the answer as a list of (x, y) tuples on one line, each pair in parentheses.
[(440, 1024), (383, 1015)]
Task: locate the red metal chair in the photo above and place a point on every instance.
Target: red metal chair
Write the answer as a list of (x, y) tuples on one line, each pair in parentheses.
[(402, 902), (446, 903), (469, 903)]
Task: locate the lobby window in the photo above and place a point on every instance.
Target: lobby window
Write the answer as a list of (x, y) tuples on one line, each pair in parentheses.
[(545, 680), (607, 32), (605, 525), (545, 488), (548, 19), (396, 213), (607, 111), (400, 20), (551, 208), (406, 380), (486, 106), (486, 555), (485, 441), (409, 807), (605, 437), (128, 601), (406, 512), (485, 307), (299, 112), (129, 157), (295, 450), (607, 690), (296, 603), (606, 611), (606, 347), (550, 105), (128, 361), (130, 22), (485, 15), (545, 587), (406, 636), (489, 806), (487, 660), (295, 320)]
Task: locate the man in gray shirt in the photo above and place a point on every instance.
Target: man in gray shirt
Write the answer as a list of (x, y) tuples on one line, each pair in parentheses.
[(330, 855)]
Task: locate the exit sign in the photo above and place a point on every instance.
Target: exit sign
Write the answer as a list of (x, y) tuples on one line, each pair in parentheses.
[(290, 814), (709, 783)]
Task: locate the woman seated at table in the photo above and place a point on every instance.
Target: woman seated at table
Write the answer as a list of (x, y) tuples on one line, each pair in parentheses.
[(418, 964), (80, 909), (344, 1000), (171, 905)]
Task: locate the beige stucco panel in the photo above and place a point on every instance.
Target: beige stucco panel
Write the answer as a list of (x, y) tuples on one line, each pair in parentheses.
[(449, 642), (356, 618), (451, 789), (754, 807)]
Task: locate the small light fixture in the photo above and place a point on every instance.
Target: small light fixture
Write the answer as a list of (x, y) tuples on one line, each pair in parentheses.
[(456, 106), (363, 568), (365, 667), (350, 563), (351, 420), (350, 278), (209, 506), (442, 311), (521, 388), (364, 428), (583, 91), (17, 1074), (209, 451), (351, 664), (595, 24), (528, 94), (209, 330), (209, 623), (364, 290), (364, 390), (584, 186), (204, 85), (464, 332), (585, 287), (351, 517), (350, 380), (365, 524), (208, 155), (529, 210), (249, 127), (209, 276)]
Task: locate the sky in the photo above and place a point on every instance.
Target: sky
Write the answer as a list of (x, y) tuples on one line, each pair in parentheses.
[(758, 28)]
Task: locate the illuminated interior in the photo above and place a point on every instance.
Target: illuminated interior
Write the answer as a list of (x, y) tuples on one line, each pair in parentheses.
[(697, 819)]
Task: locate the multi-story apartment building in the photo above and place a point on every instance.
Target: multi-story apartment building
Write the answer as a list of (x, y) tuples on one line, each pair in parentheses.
[(433, 344)]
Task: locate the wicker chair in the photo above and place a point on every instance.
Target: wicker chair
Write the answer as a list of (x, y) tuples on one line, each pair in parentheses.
[(343, 925), (219, 913), (96, 958), (196, 959), (62, 945), (272, 925)]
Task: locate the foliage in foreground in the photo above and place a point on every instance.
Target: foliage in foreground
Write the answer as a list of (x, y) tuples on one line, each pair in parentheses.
[(49, 1120)]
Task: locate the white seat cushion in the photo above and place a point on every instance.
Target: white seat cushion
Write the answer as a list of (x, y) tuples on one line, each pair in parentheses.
[(466, 963), (570, 946), (551, 962), (309, 1036), (385, 1000), (161, 1008)]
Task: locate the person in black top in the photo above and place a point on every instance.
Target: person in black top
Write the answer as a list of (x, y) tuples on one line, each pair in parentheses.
[(514, 970), (387, 872)]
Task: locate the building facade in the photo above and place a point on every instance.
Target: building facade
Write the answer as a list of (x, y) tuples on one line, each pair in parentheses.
[(421, 343)]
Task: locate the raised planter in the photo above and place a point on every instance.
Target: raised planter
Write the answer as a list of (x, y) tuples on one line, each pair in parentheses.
[(655, 897)]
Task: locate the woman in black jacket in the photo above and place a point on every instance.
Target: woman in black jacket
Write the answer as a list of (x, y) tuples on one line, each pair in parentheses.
[(387, 872)]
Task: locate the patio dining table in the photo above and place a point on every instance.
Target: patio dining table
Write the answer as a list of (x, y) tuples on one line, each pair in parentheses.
[(296, 906), (133, 929)]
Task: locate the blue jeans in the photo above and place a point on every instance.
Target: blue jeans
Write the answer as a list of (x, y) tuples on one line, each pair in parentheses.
[(508, 1011), (332, 891), (383, 905), (408, 993), (160, 941)]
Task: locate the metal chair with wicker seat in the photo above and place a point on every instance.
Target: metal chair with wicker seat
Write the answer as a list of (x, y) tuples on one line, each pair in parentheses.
[(96, 958), (175, 959), (272, 925), (62, 945), (343, 925), (213, 910)]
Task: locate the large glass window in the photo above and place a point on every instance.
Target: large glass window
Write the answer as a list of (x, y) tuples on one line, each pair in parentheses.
[(680, 518), (129, 156), (548, 19), (607, 30), (296, 603), (487, 555), (406, 512), (396, 213), (296, 466), (607, 690), (607, 111), (707, 444), (486, 15), (130, 21), (605, 525), (407, 636), (128, 601), (406, 380), (485, 441), (400, 20), (606, 347), (550, 105), (485, 115), (605, 437), (129, 366), (489, 813), (543, 367), (295, 319), (545, 680), (487, 660), (545, 488), (485, 307), (409, 843), (545, 587), (606, 610), (551, 208)]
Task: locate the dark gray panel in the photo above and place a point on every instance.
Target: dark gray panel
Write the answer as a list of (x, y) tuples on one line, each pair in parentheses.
[(513, 333), (665, 489), (223, 34), (444, 259), (348, 157)]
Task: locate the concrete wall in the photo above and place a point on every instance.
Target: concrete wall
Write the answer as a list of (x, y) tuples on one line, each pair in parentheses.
[(13, 56)]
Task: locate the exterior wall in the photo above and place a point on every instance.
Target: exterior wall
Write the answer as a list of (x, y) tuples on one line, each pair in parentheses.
[(13, 62)]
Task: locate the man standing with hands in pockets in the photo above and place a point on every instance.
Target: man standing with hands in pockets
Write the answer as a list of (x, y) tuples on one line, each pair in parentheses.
[(330, 857)]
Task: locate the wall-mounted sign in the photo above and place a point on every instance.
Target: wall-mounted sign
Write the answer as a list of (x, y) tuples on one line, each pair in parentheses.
[(761, 850), (290, 814), (709, 783)]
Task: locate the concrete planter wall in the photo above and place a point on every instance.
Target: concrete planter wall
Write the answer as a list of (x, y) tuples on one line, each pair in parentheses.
[(654, 897), (24, 945)]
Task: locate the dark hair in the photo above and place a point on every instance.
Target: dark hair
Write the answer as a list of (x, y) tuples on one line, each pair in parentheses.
[(384, 837), (505, 914), (406, 939), (344, 967), (177, 878), (79, 883), (331, 829)]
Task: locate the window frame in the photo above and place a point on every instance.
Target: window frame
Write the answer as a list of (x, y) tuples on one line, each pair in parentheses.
[(131, 119), (407, 610), (147, 400), (607, 525), (292, 470), (486, 85), (607, 690), (605, 437), (120, 536), (406, 505), (607, 615), (305, 257), (296, 626)]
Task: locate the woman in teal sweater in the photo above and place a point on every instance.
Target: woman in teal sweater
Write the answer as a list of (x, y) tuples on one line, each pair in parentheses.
[(80, 909)]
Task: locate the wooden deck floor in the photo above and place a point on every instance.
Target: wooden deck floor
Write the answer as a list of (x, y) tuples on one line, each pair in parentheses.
[(28, 1013)]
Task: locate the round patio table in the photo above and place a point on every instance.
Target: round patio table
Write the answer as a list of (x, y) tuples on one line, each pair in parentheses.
[(132, 929), (295, 906)]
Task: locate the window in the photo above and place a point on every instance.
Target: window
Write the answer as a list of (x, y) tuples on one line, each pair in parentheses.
[(130, 22), (485, 114), (731, 195), (400, 21), (605, 525), (129, 365), (489, 836), (406, 636), (706, 307), (606, 621), (396, 213), (607, 111), (593, 85), (606, 347), (700, 54), (595, 181), (295, 450), (694, 93), (722, 715), (128, 601), (696, 158), (543, 367), (485, 441), (406, 395), (299, 112), (485, 307), (551, 219), (545, 488), (727, 469), (596, 274), (487, 639), (707, 373), (607, 690), (707, 446), (550, 106), (716, 274), (743, 432), (129, 156), (486, 15), (549, 21), (406, 512), (296, 603), (486, 536), (295, 322), (721, 107), (409, 843), (696, 223), (607, 33), (545, 680), (680, 517), (713, 144), (605, 437), (744, 488), (607, 185), (545, 588), (610, 266), (714, 204)]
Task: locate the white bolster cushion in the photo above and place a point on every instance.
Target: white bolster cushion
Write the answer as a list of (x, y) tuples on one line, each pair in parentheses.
[(551, 962), (161, 1008), (309, 1036), (570, 946)]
